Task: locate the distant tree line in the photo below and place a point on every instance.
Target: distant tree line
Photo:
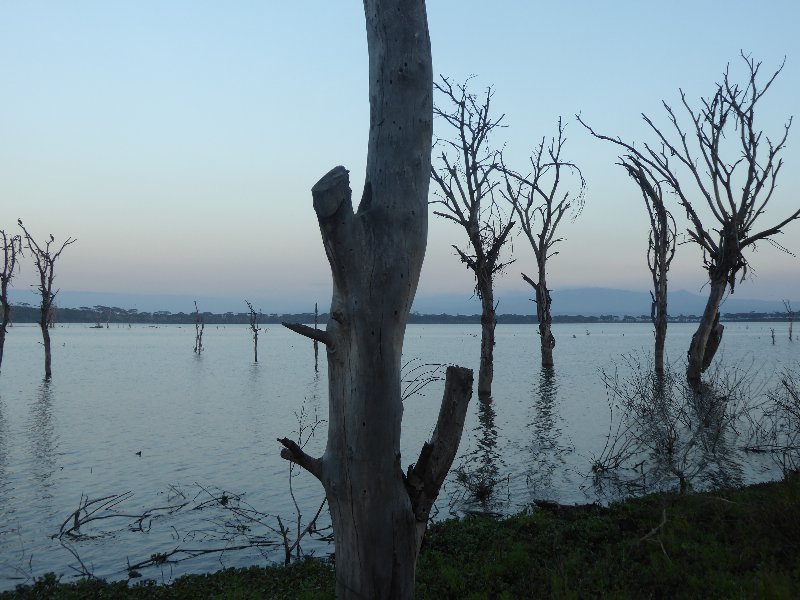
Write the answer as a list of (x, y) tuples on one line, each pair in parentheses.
[(24, 313)]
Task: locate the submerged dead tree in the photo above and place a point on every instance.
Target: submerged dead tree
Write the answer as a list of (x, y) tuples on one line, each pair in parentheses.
[(254, 328), (733, 167), (469, 172), (12, 250), (789, 314), (379, 513), (44, 257), (540, 203), (316, 342), (660, 247), (199, 326), (660, 250)]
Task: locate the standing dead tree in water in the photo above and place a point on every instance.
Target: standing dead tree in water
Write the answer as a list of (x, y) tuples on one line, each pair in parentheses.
[(540, 205), (660, 248), (254, 328), (790, 315), (12, 250), (199, 325), (379, 513), (316, 342), (44, 257), (736, 189), (468, 173)]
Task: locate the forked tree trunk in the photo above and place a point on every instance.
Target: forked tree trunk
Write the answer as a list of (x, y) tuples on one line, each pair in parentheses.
[(375, 254), (708, 336), (488, 326)]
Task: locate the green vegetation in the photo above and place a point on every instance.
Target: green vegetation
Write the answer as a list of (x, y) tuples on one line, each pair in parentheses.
[(742, 543)]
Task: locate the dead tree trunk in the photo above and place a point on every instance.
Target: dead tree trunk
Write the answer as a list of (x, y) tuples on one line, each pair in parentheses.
[(708, 336), (488, 326), (316, 342), (545, 319), (12, 249), (254, 328), (45, 257), (199, 326), (790, 315), (375, 254)]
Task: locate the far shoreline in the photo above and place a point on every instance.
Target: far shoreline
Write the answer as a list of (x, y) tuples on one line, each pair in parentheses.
[(23, 313)]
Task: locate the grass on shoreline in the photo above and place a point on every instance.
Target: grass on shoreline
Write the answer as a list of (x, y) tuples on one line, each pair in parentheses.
[(741, 543)]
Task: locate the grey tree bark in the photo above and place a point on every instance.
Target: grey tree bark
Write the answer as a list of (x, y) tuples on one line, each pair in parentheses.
[(735, 190), (12, 250), (540, 206), (44, 257), (466, 179), (379, 512)]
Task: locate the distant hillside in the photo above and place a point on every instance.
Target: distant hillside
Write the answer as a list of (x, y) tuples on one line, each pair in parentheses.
[(579, 301), (592, 302)]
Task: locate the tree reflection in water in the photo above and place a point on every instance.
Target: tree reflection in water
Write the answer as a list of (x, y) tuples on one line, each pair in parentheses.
[(546, 447), (665, 433), (481, 487), (43, 439)]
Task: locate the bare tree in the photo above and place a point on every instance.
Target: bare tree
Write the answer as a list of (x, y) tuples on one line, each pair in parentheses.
[(660, 248), (199, 326), (12, 250), (469, 172), (379, 513), (735, 190), (540, 205), (790, 315), (254, 328), (44, 257)]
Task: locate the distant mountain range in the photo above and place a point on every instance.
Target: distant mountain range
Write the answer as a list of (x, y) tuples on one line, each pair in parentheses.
[(593, 302), (578, 301)]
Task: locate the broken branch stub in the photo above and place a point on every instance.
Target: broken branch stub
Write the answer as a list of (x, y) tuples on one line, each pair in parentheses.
[(425, 478)]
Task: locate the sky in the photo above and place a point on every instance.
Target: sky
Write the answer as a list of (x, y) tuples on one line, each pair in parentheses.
[(178, 141)]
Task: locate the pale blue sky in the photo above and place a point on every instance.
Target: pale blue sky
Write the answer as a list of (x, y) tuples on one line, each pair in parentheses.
[(178, 141)]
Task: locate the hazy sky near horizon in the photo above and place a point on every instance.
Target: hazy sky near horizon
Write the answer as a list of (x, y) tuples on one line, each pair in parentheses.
[(178, 141)]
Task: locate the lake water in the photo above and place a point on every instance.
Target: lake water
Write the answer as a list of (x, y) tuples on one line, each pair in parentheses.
[(185, 445)]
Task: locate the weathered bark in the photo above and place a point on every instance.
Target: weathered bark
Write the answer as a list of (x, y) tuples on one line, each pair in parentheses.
[(488, 326), (658, 315), (708, 336), (545, 319), (48, 371), (376, 255)]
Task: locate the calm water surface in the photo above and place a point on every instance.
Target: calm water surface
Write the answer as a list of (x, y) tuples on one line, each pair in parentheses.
[(134, 411)]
